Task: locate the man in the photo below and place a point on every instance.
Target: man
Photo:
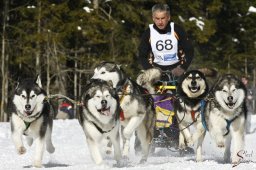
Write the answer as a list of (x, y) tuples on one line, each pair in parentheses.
[(165, 45), (249, 103)]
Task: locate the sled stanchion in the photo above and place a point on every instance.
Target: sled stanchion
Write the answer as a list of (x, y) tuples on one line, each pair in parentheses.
[(65, 97)]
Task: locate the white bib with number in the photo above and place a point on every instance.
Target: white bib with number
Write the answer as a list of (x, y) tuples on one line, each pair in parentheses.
[(164, 46)]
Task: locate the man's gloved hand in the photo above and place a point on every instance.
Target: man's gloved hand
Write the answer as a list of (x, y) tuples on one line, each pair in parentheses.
[(178, 71)]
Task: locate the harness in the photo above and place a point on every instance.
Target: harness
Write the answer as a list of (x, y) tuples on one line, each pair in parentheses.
[(100, 130), (229, 123), (35, 117), (193, 112), (27, 124), (124, 93), (202, 103)]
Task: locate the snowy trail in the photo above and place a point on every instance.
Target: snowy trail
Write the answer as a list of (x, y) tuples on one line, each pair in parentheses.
[(72, 153)]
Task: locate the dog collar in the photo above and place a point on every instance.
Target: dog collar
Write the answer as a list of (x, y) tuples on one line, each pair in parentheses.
[(100, 130)]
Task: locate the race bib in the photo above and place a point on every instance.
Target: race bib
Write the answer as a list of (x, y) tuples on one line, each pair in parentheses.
[(170, 57), (166, 59)]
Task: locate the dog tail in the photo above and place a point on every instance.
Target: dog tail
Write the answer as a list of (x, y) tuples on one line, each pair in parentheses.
[(209, 72)]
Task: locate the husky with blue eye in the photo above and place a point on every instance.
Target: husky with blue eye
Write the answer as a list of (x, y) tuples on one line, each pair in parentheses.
[(31, 116)]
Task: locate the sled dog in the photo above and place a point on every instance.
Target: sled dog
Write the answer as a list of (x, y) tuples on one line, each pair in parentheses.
[(99, 118), (192, 88), (31, 117), (148, 78), (225, 115), (137, 107)]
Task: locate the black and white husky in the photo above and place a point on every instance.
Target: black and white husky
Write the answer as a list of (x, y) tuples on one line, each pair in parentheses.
[(192, 88), (137, 107), (225, 115), (99, 118), (32, 118)]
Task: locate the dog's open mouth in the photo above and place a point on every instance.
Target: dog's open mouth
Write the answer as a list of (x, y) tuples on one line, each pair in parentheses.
[(104, 111), (28, 113), (230, 104), (194, 89)]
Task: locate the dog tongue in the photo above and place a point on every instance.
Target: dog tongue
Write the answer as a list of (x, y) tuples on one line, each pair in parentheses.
[(231, 104), (27, 113), (105, 111)]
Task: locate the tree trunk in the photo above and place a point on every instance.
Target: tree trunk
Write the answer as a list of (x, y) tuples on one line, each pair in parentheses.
[(75, 82), (95, 4), (4, 67), (38, 51), (61, 78), (48, 80)]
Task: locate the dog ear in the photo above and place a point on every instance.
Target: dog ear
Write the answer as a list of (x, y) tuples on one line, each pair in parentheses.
[(38, 81), (17, 84), (140, 80), (110, 83), (118, 66), (217, 83)]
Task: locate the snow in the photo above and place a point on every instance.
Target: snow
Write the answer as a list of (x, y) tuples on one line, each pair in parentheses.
[(199, 22), (72, 153), (87, 9), (252, 9)]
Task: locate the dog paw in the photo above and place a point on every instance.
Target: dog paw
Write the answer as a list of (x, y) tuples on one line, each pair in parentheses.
[(122, 163), (51, 149), (108, 150), (199, 160), (143, 160), (37, 164), (220, 144), (182, 145), (21, 150), (190, 142)]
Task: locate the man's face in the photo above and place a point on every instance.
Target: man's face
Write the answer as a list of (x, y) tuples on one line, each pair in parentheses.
[(244, 80), (161, 19)]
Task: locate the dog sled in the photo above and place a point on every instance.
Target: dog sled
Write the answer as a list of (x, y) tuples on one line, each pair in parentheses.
[(166, 132)]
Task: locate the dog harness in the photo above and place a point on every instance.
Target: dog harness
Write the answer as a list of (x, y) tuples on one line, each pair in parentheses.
[(227, 120), (229, 123), (100, 130), (27, 124), (202, 103), (124, 92), (193, 113), (35, 117)]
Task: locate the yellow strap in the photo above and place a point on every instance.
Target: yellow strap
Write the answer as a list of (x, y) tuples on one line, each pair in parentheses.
[(164, 115), (122, 97), (168, 87), (164, 111)]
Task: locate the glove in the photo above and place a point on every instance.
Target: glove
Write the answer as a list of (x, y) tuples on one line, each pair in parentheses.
[(178, 71)]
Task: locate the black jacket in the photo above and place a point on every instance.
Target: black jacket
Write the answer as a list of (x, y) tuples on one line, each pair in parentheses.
[(183, 44)]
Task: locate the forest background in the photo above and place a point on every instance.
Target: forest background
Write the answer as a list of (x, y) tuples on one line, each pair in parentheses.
[(63, 40)]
